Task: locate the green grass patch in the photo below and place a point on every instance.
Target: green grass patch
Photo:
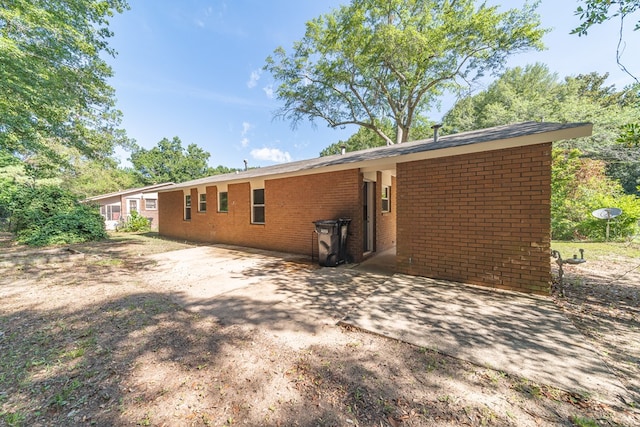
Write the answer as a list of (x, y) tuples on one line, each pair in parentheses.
[(584, 422), (597, 250), (13, 419)]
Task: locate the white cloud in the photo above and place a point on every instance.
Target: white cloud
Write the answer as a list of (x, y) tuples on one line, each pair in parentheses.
[(246, 127), (244, 142), (269, 91), (271, 154), (253, 80)]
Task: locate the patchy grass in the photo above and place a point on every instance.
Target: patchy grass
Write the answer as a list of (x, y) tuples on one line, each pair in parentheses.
[(597, 250)]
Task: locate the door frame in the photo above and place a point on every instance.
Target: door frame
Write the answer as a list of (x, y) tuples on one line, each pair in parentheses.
[(368, 216)]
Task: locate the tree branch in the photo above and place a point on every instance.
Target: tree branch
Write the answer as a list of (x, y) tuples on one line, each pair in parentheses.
[(620, 49)]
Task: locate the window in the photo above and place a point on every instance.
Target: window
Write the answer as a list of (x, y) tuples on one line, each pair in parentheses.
[(223, 201), (386, 199), (202, 206), (258, 206), (110, 212), (151, 204), (187, 207), (133, 206)]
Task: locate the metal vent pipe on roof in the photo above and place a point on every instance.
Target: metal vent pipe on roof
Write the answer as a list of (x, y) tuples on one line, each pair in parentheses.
[(343, 149), (435, 131)]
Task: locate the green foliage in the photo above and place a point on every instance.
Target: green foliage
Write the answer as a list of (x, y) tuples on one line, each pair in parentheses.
[(170, 162), (92, 177), (366, 138), (519, 94), (630, 135), (53, 79), (597, 11), (628, 174), (579, 421), (580, 186), (377, 60), (48, 215), (135, 223), (621, 227), (534, 93)]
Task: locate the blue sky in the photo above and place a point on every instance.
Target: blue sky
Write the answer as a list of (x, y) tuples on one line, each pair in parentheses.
[(192, 69)]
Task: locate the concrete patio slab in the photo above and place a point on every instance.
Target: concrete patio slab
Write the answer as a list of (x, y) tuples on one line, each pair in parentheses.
[(519, 334)]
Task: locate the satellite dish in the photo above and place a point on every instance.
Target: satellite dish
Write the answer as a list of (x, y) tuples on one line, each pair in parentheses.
[(607, 213)]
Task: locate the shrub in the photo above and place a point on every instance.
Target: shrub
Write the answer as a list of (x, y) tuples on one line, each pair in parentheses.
[(135, 223), (580, 186), (47, 215)]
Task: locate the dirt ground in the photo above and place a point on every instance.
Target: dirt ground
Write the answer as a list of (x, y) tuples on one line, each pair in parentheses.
[(94, 342)]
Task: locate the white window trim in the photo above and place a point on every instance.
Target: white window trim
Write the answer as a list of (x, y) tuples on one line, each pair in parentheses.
[(189, 207), (253, 205), (386, 196), (146, 208), (222, 188), (200, 202)]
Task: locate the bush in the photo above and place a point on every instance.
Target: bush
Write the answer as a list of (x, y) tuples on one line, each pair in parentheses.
[(135, 223), (580, 186), (48, 215), (621, 227)]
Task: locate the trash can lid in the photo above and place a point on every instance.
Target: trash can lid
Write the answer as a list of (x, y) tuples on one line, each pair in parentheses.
[(326, 222)]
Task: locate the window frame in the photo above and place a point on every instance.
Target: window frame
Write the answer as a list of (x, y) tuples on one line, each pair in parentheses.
[(187, 207), (107, 212), (202, 203), (146, 205), (133, 206), (260, 206), (385, 197), (224, 209)]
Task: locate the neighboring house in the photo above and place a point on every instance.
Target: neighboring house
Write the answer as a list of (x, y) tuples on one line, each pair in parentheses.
[(472, 207), (118, 206)]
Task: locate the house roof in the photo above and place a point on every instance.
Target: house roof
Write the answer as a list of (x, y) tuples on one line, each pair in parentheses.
[(148, 188), (384, 158)]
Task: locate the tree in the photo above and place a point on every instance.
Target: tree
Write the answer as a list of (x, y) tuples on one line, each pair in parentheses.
[(533, 93), (91, 178), (170, 162), (53, 79), (366, 138), (598, 11), (377, 60)]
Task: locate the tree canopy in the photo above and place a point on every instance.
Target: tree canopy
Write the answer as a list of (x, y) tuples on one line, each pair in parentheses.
[(366, 138), (533, 93), (169, 161), (53, 80), (391, 59)]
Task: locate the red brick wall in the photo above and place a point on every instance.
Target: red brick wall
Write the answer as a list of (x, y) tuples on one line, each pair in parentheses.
[(478, 218), (291, 206)]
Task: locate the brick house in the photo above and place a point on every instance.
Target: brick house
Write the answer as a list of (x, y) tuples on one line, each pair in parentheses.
[(472, 207), (116, 207)]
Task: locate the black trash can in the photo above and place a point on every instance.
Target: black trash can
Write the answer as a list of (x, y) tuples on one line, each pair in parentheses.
[(332, 241)]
